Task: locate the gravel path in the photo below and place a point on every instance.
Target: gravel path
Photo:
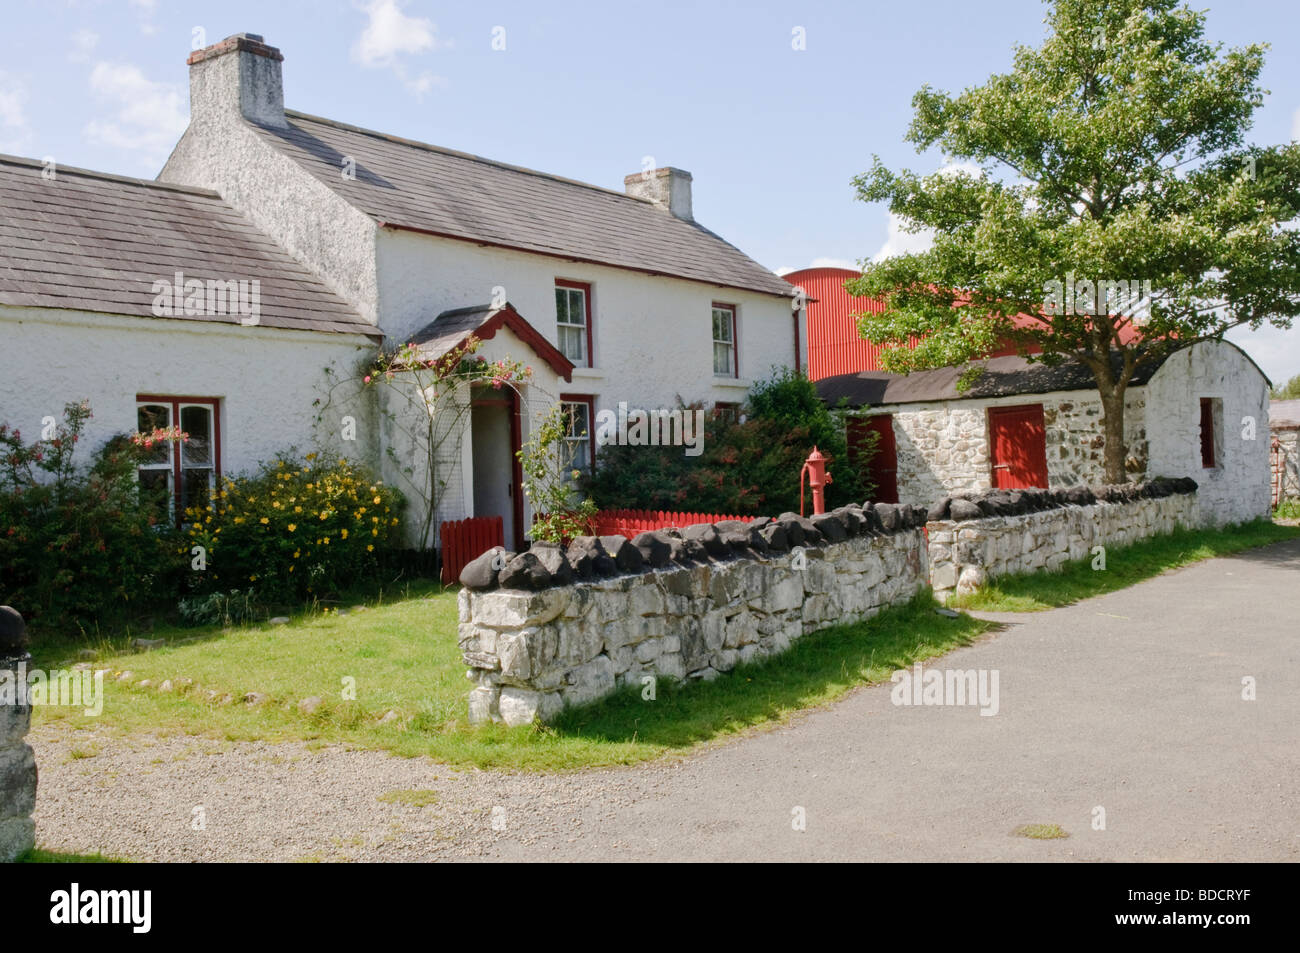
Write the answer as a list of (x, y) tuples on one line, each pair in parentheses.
[(1130, 702), (290, 802)]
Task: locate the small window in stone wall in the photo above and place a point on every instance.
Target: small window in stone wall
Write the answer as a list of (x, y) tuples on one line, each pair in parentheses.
[(1211, 432)]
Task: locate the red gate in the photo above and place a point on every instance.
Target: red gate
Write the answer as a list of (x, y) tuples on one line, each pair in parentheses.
[(466, 540)]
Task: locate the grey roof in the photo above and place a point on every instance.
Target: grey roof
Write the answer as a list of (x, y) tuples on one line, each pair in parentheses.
[(1002, 377), (448, 329), (1284, 414), (412, 185), (94, 242)]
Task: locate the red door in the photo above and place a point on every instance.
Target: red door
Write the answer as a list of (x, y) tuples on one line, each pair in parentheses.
[(1018, 445), (882, 468)]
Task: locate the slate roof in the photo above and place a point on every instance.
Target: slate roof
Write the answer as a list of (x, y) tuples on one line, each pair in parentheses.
[(451, 328), (95, 242), (411, 185), (1003, 377)]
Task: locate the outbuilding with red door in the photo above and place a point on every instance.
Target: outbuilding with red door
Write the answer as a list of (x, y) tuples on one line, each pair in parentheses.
[(1202, 412)]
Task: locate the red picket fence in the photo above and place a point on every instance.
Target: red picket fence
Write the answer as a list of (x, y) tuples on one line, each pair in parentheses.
[(466, 540), (630, 522)]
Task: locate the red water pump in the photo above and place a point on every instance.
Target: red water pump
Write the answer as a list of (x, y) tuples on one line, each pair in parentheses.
[(815, 469)]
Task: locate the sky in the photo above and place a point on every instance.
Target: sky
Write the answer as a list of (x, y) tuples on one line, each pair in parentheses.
[(773, 107)]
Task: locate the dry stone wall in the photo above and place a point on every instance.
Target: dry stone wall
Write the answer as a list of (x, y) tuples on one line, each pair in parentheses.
[(673, 610), (974, 540), (1288, 440), (554, 627)]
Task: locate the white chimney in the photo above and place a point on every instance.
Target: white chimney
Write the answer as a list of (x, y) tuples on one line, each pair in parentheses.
[(668, 188), (240, 76)]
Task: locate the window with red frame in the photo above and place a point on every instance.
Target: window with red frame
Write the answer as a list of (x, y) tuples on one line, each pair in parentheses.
[(182, 474), (580, 433), (1211, 414), (725, 410), (573, 321), (724, 341)]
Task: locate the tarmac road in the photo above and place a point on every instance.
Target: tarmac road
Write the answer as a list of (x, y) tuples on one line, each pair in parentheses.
[(1129, 704)]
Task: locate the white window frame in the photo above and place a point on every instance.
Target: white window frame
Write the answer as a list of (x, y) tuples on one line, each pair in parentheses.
[(583, 359), (730, 342)]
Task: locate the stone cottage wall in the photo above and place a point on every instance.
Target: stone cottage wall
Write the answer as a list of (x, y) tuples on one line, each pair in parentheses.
[(943, 448), (1074, 434), (534, 653), (965, 554)]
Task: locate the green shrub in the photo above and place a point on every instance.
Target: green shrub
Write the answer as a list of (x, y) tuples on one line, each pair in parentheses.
[(221, 608), (78, 545), (295, 529), (749, 468), (1288, 509)]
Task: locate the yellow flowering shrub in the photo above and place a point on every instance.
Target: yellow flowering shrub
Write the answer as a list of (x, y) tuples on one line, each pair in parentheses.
[(256, 531)]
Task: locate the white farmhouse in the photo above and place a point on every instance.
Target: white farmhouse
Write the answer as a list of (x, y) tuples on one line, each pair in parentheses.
[(355, 238)]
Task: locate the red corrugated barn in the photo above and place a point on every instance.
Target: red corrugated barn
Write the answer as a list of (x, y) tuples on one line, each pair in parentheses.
[(834, 345)]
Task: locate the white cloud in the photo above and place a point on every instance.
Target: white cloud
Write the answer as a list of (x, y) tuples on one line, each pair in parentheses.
[(83, 44), (901, 242), (15, 133), (146, 9), (389, 33), (389, 36), (140, 115)]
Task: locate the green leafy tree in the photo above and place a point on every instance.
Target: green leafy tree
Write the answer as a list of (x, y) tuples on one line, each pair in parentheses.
[(1122, 145), (1288, 391)]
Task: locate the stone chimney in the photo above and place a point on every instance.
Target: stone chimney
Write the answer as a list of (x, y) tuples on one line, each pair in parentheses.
[(668, 188), (240, 76)]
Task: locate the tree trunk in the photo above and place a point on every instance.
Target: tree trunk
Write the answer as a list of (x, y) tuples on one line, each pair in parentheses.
[(1113, 425)]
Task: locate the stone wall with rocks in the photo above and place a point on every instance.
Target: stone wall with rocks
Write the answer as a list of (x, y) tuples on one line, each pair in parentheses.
[(1073, 429), (17, 760), (973, 539), (1288, 439), (943, 447), (555, 627)]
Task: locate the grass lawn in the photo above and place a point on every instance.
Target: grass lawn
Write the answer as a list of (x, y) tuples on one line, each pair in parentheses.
[(38, 856), (1032, 592), (402, 653)]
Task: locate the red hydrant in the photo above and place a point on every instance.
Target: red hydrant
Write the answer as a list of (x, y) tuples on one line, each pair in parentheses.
[(815, 467)]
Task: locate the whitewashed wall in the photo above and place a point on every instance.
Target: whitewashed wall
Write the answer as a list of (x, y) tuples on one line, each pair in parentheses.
[(222, 152), (652, 336), (1238, 488), (267, 378)]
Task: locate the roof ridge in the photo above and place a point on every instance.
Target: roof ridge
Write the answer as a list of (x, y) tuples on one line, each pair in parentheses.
[(6, 159), (444, 150)]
